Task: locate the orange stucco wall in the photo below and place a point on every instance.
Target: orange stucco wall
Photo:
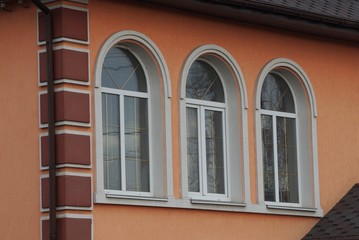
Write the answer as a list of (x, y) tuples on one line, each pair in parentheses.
[(332, 69), (336, 88), (19, 147)]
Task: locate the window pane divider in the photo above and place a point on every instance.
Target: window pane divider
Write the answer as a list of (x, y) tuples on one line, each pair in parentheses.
[(122, 143), (125, 92), (278, 114), (205, 103)]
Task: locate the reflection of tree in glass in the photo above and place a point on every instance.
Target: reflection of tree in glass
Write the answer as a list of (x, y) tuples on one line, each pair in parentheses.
[(276, 95), (203, 83), (121, 70)]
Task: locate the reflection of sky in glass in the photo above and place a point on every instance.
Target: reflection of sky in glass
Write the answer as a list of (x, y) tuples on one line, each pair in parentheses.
[(111, 141), (121, 70), (136, 141), (203, 83)]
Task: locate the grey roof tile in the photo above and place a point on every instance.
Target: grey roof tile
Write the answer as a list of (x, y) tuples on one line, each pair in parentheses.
[(341, 222)]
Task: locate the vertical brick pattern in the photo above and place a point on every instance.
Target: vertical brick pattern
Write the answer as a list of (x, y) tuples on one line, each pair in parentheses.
[(70, 24)]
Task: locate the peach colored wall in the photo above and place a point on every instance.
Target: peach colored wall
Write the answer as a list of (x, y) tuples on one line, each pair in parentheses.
[(19, 146), (331, 67), (333, 71)]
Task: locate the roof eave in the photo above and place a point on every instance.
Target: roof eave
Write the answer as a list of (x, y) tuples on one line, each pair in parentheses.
[(296, 23)]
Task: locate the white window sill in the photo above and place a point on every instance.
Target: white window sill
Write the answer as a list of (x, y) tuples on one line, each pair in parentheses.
[(204, 204), (291, 208), (108, 195), (222, 203)]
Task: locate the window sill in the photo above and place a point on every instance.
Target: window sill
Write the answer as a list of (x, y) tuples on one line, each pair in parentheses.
[(291, 208), (204, 204), (108, 195), (222, 203)]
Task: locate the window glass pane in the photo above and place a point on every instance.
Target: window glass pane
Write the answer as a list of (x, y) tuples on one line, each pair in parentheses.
[(268, 158), (203, 83), (136, 144), (192, 150), (111, 141), (276, 94), (214, 152), (287, 160), (121, 70)]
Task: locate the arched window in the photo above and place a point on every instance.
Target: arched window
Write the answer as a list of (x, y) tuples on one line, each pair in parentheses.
[(125, 129), (278, 119), (213, 126), (133, 142), (205, 108), (286, 139)]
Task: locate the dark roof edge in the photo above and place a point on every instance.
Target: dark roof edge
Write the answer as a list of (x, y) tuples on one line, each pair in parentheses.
[(292, 22)]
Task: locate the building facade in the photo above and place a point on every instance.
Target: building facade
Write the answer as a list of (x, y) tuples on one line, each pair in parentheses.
[(176, 121)]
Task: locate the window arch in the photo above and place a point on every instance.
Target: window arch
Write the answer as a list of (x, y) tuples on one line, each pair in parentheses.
[(286, 138), (213, 128), (133, 142)]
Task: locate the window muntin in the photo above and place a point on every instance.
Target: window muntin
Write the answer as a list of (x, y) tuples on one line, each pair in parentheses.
[(279, 144), (205, 120), (125, 125)]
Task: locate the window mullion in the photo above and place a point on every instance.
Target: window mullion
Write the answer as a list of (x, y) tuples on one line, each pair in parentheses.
[(275, 156), (122, 143)]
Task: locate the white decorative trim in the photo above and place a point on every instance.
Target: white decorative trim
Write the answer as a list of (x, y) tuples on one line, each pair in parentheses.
[(145, 50), (303, 93), (65, 80), (69, 165), (69, 123), (234, 88), (292, 66), (209, 205), (146, 42), (65, 39), (227, 57)]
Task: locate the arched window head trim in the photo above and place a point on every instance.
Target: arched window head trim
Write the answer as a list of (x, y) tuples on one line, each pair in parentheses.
[(133, 38), (305, 100), (236, 122), (295, 69), (214, 51)]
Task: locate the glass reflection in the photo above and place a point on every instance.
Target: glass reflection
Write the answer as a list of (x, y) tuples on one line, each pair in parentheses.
[(111, 141), (203, 83), (276, 94), (121, 70), (214, 151)]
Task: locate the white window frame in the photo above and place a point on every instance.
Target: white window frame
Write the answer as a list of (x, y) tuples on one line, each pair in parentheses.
[(235, 120), (159, 120), (274, 115), (122, 94), (306, 136), (201, 107)]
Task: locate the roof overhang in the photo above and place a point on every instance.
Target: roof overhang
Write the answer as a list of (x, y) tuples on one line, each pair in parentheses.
[(279, 18)]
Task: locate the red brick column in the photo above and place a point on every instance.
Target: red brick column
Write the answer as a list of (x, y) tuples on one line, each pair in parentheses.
[(73, 121)]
